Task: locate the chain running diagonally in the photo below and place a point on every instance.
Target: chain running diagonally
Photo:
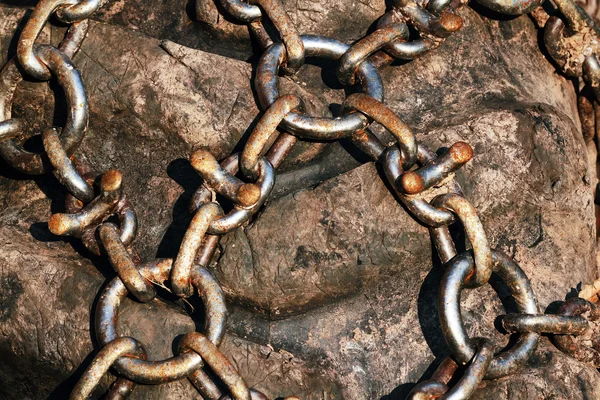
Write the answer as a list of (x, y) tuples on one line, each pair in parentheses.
[(409, 30)]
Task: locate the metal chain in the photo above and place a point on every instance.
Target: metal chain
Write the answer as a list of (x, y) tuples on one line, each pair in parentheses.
[(411, 29)]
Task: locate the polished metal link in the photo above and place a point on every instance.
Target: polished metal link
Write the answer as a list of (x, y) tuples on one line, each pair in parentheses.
[(28, 59), (241, 11), (404, 49), (77, 106), (304, 126), (79, 11), (437, 7), (511, 7), (275, 11), (458, 272), (443, 243)]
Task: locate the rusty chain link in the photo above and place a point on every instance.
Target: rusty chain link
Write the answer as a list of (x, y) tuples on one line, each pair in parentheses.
[(437, 386), (416, 174)]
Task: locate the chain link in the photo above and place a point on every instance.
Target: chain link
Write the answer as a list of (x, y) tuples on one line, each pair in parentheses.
[(437, 388), (416, 174), (106, 357)]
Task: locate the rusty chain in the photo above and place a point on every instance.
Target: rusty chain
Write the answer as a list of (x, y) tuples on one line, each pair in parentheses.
[(410, 29)]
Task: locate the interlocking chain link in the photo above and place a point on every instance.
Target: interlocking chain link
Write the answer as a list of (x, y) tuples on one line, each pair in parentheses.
[(437, 386), (410, 29)]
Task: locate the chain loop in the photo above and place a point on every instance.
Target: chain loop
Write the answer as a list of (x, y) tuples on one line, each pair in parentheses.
[(79, 11), (577, 307), (422, 210), (434, 172), (360, 51), (103, 206), (219, 364), (124, 265), (154, 372), (241, 11), (511, 7), (437, 388), (266, 133), (304, 126), (294, 47), (182, 268), (458, 272), (239, 215), (475, 232), (402, 49), (64, 169), (221, 181), (93, 214), (77, 105), (82, 221), (376, 110), (437, 7), (106, 357), (427, 23), (29, 60)]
